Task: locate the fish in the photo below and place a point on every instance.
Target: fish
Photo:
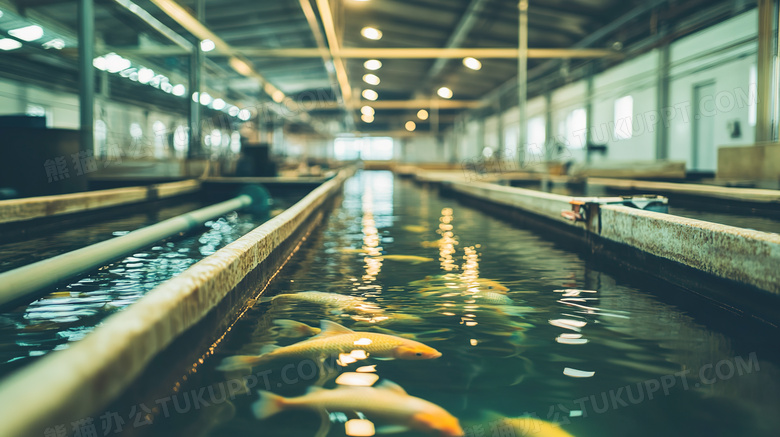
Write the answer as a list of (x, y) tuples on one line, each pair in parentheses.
[(340, 301), (293, 329), (417, 229), (525, 426), (336, 339), (386, 402), (352, 250), (408, 258)]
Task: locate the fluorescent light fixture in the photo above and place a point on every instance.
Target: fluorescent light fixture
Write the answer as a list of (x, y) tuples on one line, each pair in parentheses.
[(145, 75), (56, 43), (179, 90), (28, 33), (233, 111), (207, 45), (218, 104), (373, 64), (444, 93), (367, 110), (244, 114), (411, 126), (472, 63), (116, 63), (205, 99), (371, 79), (371, 33), (166, 87), (422, 114), (367, 118), (370, 95), (9, 44)]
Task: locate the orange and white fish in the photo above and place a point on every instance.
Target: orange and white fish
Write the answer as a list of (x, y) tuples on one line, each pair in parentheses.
[(334, 340), (408, 258), (334, 300), (293, 329), (526, 426), (387, 403)]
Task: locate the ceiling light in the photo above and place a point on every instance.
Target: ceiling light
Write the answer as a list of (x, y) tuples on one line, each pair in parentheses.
[(367, 110), (145, 75), (472, 63), (411, 126), (207, 45), (9, 44), (422, 114), (56, 43), (99, 62), (116, 63), (179, 90), (371, 33), (367, 118), (371, 79), (244, 114), (278, 96), (373, 64), (205, 99), (28, 33), (233, 111), (444, 93), (218, 104), (370, 95)]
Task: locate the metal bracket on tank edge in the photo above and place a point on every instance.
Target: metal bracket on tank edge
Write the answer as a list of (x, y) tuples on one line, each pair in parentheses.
[(584, 208)]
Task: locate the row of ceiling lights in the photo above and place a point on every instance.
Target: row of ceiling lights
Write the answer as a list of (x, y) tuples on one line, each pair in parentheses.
[(367, 112), (28, 34)]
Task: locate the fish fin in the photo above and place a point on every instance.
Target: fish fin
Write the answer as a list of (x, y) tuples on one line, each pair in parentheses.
[(332, 328), (293, 329), (391, 429), (268, 405), (391, 386), (238, 362), (265, 299), (267, 349), (383, 358)]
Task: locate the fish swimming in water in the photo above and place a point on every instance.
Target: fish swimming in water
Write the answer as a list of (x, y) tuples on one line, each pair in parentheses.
[(408, 258), (525, 426), (333, 340), (417, 229), (334, 300), (385, 403), (293, 329)]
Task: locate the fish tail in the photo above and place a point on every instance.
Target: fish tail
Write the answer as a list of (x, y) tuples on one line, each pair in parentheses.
[(268, 405), (291, 328), (238, 362)]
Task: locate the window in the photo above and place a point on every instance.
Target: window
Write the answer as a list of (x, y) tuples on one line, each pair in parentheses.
[(753, 91), (369, 149), (537, 134), (624, 118), (576, 129)]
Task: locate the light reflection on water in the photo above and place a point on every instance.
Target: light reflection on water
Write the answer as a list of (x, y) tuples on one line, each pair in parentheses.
[(524, 328), (71, 311)]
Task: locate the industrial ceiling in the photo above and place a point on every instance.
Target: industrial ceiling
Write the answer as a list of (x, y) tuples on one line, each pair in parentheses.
[(310, 54)]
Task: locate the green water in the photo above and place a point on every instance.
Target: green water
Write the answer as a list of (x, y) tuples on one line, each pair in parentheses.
[(576, 346)]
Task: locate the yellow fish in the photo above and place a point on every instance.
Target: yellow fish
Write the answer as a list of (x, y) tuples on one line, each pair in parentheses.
[(335, 300), (352, 250), (408, 258), (415, 228), (333, 340), (386, 403), (293, 329), (526, 426)]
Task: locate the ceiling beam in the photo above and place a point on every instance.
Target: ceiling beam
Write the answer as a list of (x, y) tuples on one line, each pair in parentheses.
[(406, 104), (387, 53), (322, 45), (458, 36), (323, 6)]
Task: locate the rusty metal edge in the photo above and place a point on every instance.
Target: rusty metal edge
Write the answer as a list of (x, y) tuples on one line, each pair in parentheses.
[(77, 381)]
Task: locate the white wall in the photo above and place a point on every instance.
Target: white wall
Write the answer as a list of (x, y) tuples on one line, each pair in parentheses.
[(699, 58)]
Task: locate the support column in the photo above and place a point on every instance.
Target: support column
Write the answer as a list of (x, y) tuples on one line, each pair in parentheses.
[(434, 115), (87, 74), (500, 127), (196, 69), (522, 81), (550, 149), (766, 123), (661, 130), (590, 91)]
